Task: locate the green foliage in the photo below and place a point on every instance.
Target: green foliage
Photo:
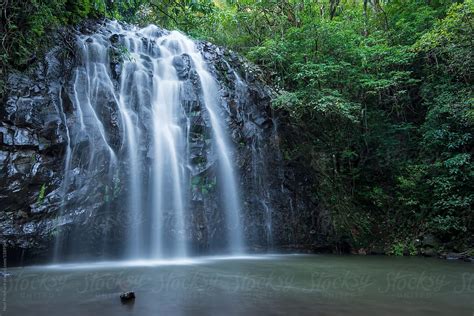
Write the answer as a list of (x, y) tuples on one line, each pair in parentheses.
[(411, 249), (398, 249), (120, 54), (42, 193), (186, 15), (26, 24), (203, 184), (401, 248)]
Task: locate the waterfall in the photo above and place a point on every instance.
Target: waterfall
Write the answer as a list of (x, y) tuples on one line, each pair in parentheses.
[(132, 115)]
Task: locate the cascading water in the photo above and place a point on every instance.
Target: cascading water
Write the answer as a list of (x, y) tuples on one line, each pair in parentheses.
[(155, 127), (259, 168)]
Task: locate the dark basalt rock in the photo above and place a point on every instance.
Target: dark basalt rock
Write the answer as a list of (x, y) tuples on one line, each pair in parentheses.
[(183, 66), (428, 252), (279, 212), (114, 38), (127, 297)]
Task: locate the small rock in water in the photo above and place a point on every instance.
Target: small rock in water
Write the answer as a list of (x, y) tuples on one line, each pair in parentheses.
[(127, 297), (469, 259), (454, 256)]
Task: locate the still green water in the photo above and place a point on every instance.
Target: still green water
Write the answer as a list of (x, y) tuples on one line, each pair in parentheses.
[(268, 285)]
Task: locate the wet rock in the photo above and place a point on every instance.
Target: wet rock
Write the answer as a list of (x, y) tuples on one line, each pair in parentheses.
[(377, 250), (6, 136), (261, 121), (452, 256), (3, 157), (114, 38), (116, 70), (127, 297), (182, 65), (362, 251), (29, 228), (24, 112), (428, 252), (429, 240), (25, 137)]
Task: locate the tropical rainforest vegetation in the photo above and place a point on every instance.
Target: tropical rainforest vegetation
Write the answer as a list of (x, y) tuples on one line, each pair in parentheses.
[(376, 97)]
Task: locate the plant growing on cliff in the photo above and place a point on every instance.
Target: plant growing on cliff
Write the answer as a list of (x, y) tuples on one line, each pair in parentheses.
[(397, 249), (203, 184), (42, 193)]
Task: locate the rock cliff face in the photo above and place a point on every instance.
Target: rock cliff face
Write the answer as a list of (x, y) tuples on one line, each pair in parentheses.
[(38, 117)]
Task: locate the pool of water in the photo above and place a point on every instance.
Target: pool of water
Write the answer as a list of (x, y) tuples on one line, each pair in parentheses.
[(263, 285)]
